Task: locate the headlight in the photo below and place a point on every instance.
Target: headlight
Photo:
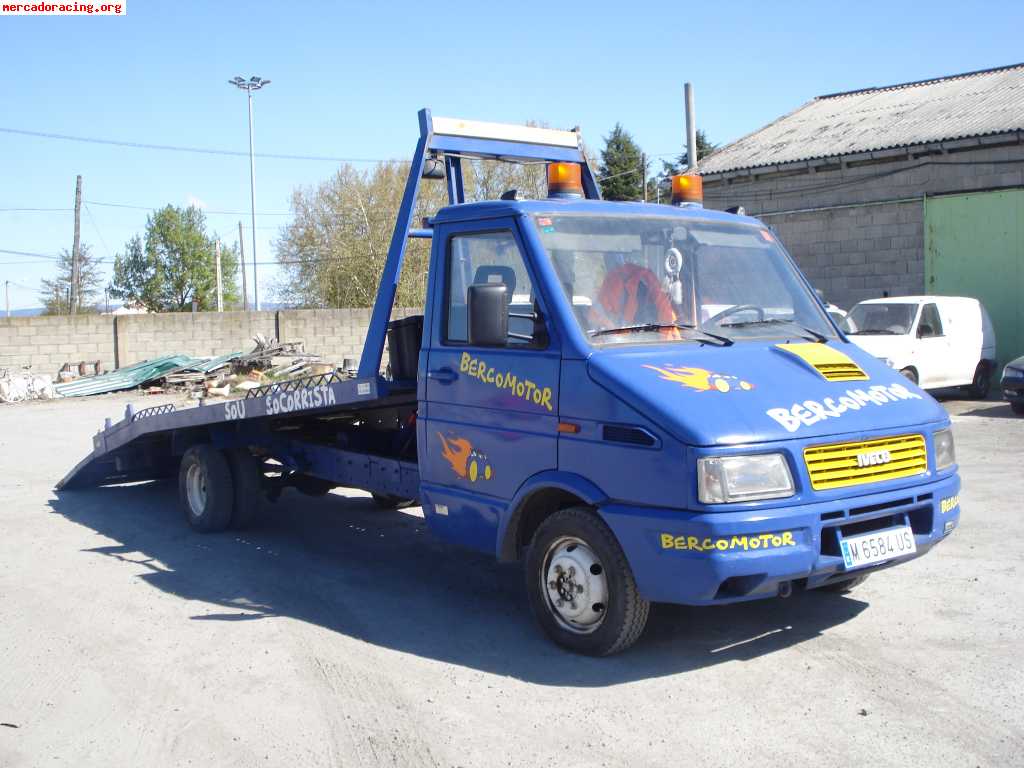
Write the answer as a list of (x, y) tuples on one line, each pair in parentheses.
[(945, 452), (724, 479)]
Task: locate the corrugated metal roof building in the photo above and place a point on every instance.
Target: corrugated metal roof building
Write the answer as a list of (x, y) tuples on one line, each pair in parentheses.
[(855, 184)]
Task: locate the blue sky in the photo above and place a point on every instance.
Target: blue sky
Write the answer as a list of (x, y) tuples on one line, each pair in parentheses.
[(349, 77)]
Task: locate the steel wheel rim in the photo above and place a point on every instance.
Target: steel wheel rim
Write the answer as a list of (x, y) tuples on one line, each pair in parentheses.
[(574, 583), (195, 483)]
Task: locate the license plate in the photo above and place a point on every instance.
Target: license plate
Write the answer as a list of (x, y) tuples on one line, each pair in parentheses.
[(877, 547)]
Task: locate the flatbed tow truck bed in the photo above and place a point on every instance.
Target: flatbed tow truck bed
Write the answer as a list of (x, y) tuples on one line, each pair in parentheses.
[(142, 445)]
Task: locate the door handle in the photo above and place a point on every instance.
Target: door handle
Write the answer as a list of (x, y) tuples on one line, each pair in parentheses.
[(443, 375)]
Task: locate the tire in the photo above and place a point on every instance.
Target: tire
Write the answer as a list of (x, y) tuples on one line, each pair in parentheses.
[(246, 474), (1018, 408), (387, 501), (206, 489), (847, 585), (577, 539), (909, 373), (982, 382)]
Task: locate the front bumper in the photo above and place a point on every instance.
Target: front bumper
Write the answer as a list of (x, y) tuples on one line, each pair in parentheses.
[(1013, 389), (710, 558)]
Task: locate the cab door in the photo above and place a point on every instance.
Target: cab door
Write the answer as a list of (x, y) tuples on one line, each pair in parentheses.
[(491, 412)]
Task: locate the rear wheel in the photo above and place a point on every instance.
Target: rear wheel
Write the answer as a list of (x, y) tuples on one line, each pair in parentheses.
[(910, 373), (581, 588), (847, 585), (247, 475), (982, 382), (206, 489)]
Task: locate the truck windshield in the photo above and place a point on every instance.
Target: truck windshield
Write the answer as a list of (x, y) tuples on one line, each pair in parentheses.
[(641, 279), (881, 319)]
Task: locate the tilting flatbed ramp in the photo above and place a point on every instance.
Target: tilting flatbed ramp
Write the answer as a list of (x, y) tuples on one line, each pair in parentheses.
[(310, 396)]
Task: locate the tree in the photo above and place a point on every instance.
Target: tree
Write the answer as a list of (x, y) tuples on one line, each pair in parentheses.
[(332, 253), (175, 265), (56, 294), (621, 177)]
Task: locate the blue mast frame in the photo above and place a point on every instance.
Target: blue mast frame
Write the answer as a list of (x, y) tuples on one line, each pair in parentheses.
[(453, 149)]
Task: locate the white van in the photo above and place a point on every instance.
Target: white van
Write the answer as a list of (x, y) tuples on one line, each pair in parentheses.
[(935, 341)]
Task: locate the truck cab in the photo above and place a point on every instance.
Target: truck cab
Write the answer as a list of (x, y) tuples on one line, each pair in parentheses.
[(649, 403)]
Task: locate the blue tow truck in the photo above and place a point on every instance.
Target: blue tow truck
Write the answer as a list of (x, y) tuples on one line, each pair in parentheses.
[(639, 402)]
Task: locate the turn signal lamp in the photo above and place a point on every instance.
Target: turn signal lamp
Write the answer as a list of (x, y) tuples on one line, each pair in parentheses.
[(687, 189), (565, 180)]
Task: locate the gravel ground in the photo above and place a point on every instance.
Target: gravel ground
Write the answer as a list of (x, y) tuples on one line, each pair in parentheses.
[(339, 635)]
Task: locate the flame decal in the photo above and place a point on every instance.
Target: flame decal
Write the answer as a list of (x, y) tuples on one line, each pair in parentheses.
[(701, 379), (465, 461)]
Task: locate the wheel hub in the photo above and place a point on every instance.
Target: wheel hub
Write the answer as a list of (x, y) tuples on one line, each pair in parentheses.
[(575, 584), (196, 485)]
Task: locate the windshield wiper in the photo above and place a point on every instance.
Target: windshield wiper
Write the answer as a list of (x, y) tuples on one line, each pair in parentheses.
[(873, 332), (720, 341), (819, 337)]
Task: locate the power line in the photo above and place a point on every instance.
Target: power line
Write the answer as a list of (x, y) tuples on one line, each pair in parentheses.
[(19, 285), (35, 210), (204, 210), (194, 150), (95, 226), (51, 256)]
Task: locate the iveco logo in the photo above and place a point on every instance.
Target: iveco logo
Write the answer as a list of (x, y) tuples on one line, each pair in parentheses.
[(873, 458)]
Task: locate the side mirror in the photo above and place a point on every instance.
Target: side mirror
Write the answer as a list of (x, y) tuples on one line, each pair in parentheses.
[(488, 314), (924, 331)]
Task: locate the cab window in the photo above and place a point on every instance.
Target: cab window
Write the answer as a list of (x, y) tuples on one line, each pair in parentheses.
[(488, 257), (930, 324)]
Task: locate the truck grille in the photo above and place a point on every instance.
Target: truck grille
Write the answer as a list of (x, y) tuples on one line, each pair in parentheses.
[(867, 461)]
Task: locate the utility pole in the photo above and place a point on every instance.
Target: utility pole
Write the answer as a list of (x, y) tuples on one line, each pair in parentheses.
[(691, 129), (7, 296), (76, 254), (643, 174), (241, 261), (220, 286), (250, 85)]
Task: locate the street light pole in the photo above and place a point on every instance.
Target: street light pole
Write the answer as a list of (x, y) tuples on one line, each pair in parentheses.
[(250, 85)]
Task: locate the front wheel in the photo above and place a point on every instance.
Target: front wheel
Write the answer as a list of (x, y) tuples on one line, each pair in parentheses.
[(910, 374), (580, 585)]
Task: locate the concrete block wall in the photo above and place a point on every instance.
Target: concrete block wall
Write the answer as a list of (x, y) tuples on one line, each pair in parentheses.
[(853, 254), (844, 226), (332, 333), (46, 343), (143, 337)]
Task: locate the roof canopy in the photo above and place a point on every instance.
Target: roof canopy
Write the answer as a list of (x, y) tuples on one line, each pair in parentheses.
[(959, 106)]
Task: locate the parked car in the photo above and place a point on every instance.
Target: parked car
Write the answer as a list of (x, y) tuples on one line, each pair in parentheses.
[(935, 341), (1013, 384)]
